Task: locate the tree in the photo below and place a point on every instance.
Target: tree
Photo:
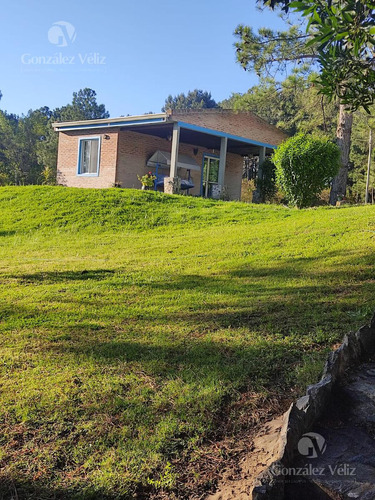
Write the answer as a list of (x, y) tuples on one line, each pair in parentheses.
[(343, 139), (359, 157), (269, 50), (83, 107), (305, 165), (18, 138), (294, 105), (28, 144), (343, 35), (194, 99), (84, 104), (46, 149)]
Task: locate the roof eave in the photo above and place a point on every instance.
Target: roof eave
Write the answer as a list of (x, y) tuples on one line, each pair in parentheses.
[(122, 121)]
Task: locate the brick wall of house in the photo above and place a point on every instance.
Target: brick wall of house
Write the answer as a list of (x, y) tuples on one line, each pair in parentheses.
[(244, 124), (134, 149), (67, 161), (233, 176)]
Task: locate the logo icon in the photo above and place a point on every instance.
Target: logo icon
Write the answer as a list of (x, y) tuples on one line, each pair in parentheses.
[(312, 445), (62, 34)]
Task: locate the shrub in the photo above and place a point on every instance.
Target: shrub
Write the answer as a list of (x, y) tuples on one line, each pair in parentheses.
[(305, 165), (267, 183), (4, 179), (247, 189), (147, 180), (49, 176)]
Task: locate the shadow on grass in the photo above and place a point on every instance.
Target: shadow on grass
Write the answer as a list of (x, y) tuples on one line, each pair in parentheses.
[(7, 233), (31, 490), (293, 297), (294, 292), (61, 276), (212, 359), (298, 301)]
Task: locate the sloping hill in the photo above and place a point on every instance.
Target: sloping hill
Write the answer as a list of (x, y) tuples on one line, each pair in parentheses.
[(142, 334)]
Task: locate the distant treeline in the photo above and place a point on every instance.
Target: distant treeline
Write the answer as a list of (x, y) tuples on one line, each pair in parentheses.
[(28, 144)]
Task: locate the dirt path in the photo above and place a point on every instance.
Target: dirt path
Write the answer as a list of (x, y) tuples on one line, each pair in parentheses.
[(263, 452)]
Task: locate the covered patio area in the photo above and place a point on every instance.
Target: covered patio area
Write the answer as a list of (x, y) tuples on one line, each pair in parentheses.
[(219, 152)]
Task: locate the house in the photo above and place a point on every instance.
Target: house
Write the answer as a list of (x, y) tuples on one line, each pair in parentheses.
[(200, 151)]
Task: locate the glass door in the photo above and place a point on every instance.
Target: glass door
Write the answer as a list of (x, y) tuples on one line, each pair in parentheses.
[(210, 175)]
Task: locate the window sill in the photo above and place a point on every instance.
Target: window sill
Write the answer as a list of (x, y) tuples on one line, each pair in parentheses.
[(88, 175)]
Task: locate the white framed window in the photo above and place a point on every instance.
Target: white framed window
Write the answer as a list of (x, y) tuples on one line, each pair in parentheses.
[(88, 156)]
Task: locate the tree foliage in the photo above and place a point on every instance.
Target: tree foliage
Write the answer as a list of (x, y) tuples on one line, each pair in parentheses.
[(18, 139), (84, 107), (294, 105), (28, 144), (340, 37), (359, 157), (194, 99), (305, 165), (269, 52), (342, 33)]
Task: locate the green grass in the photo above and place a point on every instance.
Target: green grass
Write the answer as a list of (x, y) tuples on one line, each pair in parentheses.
[(134, 324)]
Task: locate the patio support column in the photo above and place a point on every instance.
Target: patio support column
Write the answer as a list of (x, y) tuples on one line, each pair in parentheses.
[(223, 160), (217, 190), (172, 183), (262, 155), (174, 153)]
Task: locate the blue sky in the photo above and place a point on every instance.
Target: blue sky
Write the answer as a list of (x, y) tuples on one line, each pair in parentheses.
[(134, 53)]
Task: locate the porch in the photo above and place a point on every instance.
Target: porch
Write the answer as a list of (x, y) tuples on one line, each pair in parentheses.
[(197, 160)]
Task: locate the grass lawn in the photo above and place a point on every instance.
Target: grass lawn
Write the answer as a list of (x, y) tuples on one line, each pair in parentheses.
[(137, 328)]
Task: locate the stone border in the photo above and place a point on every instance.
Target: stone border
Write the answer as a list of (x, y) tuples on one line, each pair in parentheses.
[(355, 348)]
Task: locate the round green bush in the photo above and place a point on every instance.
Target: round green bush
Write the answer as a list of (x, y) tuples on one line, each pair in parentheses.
[(305, 165)]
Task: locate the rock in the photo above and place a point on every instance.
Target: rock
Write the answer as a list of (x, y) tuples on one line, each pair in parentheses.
[(319, 394), (366, 339)]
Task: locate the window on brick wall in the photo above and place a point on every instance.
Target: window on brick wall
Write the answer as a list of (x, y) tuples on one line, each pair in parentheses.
[(89, 156)]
